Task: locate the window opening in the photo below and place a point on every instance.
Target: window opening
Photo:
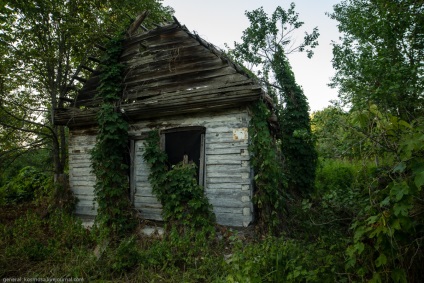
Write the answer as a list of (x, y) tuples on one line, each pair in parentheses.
[(186, 145)]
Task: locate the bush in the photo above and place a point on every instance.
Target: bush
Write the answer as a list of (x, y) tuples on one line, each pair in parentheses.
[(335, 175), (25, 186)]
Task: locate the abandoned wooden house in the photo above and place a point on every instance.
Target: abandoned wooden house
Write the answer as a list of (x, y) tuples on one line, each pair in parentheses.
[(198, 99)]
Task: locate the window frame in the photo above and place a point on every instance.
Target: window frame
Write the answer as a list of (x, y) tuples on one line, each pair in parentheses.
[(202, 161)]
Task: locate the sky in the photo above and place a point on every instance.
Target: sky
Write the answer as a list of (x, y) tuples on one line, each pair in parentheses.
[(223, 21)]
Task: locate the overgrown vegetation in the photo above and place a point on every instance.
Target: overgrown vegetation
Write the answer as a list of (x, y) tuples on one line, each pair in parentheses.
[(42, 43), (24, 186), (264, 48), (362, 222), (270, 182), (185, 206), (114, 215)]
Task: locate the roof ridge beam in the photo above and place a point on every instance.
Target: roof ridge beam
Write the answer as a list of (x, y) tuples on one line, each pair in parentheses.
[(137, 22)]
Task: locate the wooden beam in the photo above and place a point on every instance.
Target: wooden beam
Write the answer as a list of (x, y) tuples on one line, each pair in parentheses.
[(176, 21), (144, 28), (136, 24)]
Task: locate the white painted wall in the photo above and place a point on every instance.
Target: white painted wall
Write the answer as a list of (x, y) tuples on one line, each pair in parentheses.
[(81, 180), (228, 172)]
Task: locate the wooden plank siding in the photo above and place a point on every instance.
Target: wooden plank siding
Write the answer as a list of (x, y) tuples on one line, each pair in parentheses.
[(228, 173), (81, 180), (227, 169)]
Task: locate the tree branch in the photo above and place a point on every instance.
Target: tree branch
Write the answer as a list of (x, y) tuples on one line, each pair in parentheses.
[(29, 122)]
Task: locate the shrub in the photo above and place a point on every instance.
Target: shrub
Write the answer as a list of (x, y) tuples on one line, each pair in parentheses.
[(335, 175), (25, 186)]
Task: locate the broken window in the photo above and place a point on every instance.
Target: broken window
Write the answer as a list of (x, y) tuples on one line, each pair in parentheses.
[(187, 145)]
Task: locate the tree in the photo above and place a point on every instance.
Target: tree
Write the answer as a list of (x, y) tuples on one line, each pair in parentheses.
[(381, 55), (265, 46), (330, 129), (379, 70), (42, 42)]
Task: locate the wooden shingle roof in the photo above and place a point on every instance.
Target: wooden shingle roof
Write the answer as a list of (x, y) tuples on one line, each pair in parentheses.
[(169, 71)]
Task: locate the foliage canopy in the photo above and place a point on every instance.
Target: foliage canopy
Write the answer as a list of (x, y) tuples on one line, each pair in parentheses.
[(380, 57)]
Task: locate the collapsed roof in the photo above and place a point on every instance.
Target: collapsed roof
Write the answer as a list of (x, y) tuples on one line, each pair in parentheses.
[(169, 71)]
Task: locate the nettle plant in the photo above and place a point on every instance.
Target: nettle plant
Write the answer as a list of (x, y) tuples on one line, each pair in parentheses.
[(114, 214), (184, 203)]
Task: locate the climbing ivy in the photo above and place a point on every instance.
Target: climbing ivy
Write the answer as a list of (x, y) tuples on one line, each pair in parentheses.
[(298, 148), (269, 177), (264, 47), (185, 207), (114, 215)]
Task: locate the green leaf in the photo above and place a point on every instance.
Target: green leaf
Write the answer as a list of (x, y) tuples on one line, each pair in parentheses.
[(373, 219), (396, 224), (376, 278), (381, 260), (359, 247), (398, 190), (400, 167), (385, 202), (419, 179), (399, 275), (359, 232), (401, 209)]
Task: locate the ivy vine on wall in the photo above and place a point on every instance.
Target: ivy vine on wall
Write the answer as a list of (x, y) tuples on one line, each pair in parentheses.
[(185, 206), (114, 214), (269, 178)]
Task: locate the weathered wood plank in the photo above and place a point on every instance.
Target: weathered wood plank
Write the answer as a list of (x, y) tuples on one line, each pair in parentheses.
[(227, 194), (230, 219), (155, 60), (171, 66), (78, 181), (189, 103), (228, 169), (235, 145), (151, 214), (226, 159), (206, 119), (168, 29), (85, 210), (84, 172), (147, 205), (221, 151), (173, 86), (189, 75), (220, 210), (178, 84), (228, 180), (80, 164)]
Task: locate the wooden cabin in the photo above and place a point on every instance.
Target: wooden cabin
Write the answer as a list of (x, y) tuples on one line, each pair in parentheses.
[(197, 98)]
